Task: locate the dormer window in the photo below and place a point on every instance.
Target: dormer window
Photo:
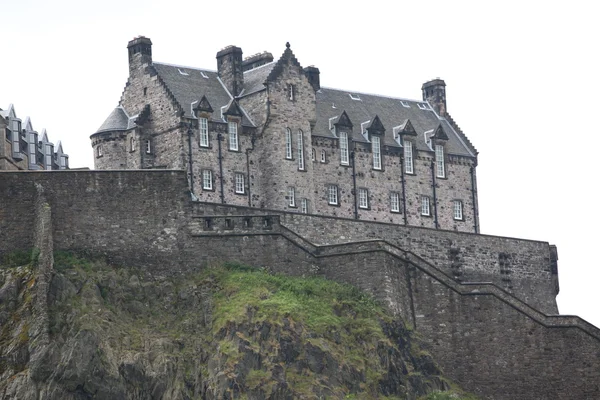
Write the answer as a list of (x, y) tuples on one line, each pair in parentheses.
[(439, 161), (203, 124), (291, 92), (233, 135), (408, 157), (344, 159)]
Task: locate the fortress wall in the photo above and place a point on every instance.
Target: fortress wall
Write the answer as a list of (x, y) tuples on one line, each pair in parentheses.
[(526, 269), (131, 217)]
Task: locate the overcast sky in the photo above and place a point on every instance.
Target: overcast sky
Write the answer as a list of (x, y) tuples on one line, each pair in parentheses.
[(522, 83)]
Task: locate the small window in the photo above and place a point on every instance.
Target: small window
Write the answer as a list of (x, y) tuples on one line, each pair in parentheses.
[(203, 123), (405, 104), (233, 136), (332, 195), (304, 206), (458, 210), (313, 155), (288, 144), (395, 202), (376, 146), (363, 198), (207, 179), (145, 91), (439, 161), (323, 156), (99, 150), (408, 158), (354, 96), (148, 147), (291, 92), (132, 144), (425, 206), (344, 159), (240, 184), (291, 196), (300, 150)]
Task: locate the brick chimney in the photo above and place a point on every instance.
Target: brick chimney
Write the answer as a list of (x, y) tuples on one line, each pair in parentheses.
[(229, 67), (434, 92), (140, 52), (313, 75)]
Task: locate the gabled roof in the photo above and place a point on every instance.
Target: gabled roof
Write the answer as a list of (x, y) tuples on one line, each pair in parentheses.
[(203, 105), (287, 57), (190, 84), (344, 120), (376, 126), (118, 120), (391, 112)]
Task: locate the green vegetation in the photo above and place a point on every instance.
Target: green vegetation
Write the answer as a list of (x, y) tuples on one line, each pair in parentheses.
[(449, 395)]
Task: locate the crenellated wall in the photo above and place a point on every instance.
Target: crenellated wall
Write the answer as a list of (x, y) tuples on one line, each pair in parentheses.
[(493, 343)]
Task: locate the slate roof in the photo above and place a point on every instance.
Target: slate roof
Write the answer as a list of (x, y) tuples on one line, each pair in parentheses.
[(254, 79), (188, 85), (391, 111), (118, 120)]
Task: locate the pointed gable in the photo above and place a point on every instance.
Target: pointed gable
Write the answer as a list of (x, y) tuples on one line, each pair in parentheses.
[(405, 128), (440, 134), (376, 127), (203, 105), (344, 120), (286, 58), (234, 109)]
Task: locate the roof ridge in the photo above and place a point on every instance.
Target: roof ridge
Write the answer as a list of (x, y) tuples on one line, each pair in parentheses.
[(373, 94), (185, 66), (259, 67)]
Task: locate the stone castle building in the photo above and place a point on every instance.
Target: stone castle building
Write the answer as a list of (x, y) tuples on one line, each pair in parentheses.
[(263, 133), (24, 149)]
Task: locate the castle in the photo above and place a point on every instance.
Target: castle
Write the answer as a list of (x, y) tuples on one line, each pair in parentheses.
[(23, 149), (484, 305), (264, 133)]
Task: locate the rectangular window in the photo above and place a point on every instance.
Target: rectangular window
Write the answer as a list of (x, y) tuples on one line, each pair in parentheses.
[(376, 145), (203, 132), (291, 91), (132, 144), (288, 144), (148, 146), (207, 179), (439, 161), (291, 196), (344, 148), (363, 198), (240, 186), (99, 150), (395, 202), (300, 151), (425, 206), (332, 194), (233, 136), (408, 157), (304, 206), (323, 156), (458, 210)]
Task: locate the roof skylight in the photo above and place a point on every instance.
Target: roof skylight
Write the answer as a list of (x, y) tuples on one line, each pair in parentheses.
[(354, 96), (182, 72), (404, 104), (203, 74)]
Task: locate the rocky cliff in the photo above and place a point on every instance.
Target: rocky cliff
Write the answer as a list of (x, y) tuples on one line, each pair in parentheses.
[(96, 331)]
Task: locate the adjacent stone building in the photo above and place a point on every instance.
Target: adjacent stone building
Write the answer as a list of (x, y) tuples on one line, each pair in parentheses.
[(22, 148), (263, 133)]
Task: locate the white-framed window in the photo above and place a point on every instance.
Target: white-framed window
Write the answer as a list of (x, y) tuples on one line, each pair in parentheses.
[(376, 145), (313, 156), (344, 159), (304, 206), (240, 184), (99, 152), (425, 209), (363, 198), (207, 179), (148, 146), (288, 144), (233, 135), (458, 210), (408, 157), (323, 156), (132, 144), (439, 161), (300, 143), (203, 123), (395, 202), (332, 194), (291, 196)]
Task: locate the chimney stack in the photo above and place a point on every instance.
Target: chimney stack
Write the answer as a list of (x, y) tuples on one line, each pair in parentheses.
[(140, 52), (313, 75), (229, 68), (434, 92)]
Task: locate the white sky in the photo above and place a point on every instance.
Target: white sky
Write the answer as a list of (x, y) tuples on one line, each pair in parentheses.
[(521, 82)]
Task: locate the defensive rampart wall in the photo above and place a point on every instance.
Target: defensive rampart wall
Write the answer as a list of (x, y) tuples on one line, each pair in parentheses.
[(486, 339)]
